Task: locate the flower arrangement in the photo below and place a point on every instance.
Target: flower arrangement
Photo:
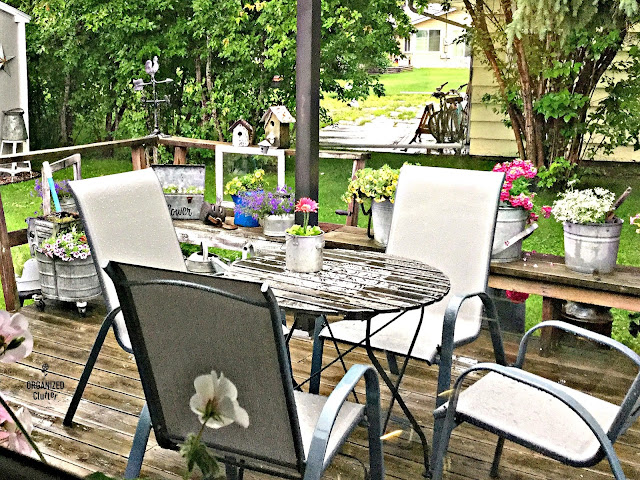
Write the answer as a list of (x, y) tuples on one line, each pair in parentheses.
[(583, 206), (216, 405), (16, 343), (306, 206), (377, 184), (62, 189), (635, 220), (67, 246), (515, 189), (175, 189), (249, 181), (260, 204)]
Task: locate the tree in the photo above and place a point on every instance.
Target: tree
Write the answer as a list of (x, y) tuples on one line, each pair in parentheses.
[(223, 56), (547, 58)]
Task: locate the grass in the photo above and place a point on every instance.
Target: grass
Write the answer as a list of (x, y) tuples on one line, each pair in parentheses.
[(19, 204), (395, 103)]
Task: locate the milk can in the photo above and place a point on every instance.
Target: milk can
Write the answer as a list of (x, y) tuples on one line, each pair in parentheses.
[(13, 126)]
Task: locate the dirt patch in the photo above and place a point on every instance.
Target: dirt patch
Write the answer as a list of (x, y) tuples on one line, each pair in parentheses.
[(6, 179)]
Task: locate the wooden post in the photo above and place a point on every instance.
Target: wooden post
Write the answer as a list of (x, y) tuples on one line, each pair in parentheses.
[(549, 337), (137, 157), (180, 156), (352, 216), (7, 273)]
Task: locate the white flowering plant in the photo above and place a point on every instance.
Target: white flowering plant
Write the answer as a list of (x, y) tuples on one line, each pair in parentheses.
[(216, 405), (67, 246), (635, 220), (583, 206)]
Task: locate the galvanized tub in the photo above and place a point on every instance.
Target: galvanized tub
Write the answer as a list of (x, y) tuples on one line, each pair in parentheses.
[(381, 215), (510, 222), (68, 204), (182, 206), (275, 225), (68, 281), (40, 229), (592, 247), (304, 254)]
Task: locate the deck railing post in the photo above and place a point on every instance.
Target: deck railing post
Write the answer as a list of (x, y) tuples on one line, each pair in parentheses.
[(137, 157), (7, 273), (180, 156)]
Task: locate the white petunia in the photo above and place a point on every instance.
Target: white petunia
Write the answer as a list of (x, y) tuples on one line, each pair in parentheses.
[(216, 401), (16, 341)]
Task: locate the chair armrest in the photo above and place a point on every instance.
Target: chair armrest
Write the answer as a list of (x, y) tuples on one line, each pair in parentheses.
[(550, 388), (588, 334), (317, 451)]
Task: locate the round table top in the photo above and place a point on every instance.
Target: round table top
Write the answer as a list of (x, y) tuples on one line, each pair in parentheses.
[(356, 283)]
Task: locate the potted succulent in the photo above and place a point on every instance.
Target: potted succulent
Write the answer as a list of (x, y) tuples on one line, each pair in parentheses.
[(251, 182), (66, 268), (378, 186), (304, 243), (515, 211), (591, 230), (274, 208)]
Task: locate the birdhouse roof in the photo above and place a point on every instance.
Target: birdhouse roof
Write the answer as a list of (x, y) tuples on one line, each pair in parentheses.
[(281, 113), (242, 122)]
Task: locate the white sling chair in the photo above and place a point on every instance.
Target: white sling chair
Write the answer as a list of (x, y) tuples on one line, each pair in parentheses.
[(446, 218), (125, 217)]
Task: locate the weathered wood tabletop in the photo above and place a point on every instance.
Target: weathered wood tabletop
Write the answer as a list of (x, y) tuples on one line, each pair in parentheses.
[(355, 283)]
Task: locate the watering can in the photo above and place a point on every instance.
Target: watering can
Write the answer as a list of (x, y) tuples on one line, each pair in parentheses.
[(201, 262), (13, 127), (500, 246)]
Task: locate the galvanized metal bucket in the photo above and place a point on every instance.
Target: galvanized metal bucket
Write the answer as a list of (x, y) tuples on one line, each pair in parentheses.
[(381, 215), (68, 281), (592, 247), (275, 225), (304, 254), (13, 127), (509, 223)]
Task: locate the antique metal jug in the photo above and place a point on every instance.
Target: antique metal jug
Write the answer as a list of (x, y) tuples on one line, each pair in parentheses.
[(13, 126)]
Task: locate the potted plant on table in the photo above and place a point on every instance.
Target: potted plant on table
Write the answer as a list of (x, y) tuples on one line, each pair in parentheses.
[(379, 187), (591, 230), (251, 182), (304, 243), (274, 208), (515, 211), (67, 202)]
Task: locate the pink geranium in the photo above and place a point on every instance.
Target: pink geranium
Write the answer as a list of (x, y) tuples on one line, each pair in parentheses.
[(515, 188), (16, 341)]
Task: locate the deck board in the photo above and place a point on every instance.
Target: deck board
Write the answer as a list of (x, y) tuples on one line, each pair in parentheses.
[(105, 422)]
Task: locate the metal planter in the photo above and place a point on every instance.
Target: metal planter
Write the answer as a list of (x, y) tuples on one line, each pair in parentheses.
[(304, 254), (275, 225), (68, 281), (182, 206), (592, 247)]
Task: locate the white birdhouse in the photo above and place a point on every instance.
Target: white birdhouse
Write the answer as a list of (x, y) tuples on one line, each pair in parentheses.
[(276, 126), (242, 132)]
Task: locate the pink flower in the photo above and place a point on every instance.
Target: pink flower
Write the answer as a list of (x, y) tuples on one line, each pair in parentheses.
[(306, 205), (546, 211), (13, 438), (16, 341), (516, 297)]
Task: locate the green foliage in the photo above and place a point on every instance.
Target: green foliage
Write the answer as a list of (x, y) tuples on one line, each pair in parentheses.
[(558, 174), (227, 255), (197, 455)]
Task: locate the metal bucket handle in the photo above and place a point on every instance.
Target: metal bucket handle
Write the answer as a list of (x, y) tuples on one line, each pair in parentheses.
[(516, 238)]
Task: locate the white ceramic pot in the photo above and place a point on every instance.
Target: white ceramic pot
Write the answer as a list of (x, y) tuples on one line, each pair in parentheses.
[(275, 225), (304, 254)]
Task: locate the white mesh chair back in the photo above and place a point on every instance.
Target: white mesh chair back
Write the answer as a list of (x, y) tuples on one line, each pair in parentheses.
[(446, 218), (126, 219), (179, 332)]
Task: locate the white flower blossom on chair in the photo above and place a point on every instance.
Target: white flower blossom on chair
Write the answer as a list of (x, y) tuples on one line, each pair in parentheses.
[(16, 341), (11, 436), (216, 402)]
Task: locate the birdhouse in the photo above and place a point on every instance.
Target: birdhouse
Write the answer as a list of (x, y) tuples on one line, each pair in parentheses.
[(276, 126), (242, 133)]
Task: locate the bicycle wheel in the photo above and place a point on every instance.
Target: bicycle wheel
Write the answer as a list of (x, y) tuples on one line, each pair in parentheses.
[(437, 125)]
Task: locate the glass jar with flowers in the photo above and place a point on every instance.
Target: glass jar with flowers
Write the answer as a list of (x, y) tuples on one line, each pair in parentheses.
[(248, 183), (304, 243), (379, 187), (274, 208), (591, 230), (66, 268), (515, 211)]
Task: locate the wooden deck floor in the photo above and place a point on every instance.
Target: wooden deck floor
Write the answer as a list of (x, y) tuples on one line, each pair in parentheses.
[(106, 419)]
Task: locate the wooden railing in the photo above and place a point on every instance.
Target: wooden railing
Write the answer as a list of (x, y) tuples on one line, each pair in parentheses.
[(138, 160)]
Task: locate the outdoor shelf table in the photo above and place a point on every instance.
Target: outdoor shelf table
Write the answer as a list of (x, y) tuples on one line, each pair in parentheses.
[(356, 284)]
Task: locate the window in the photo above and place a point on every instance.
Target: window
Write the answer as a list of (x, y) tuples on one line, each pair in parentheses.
[(428, 41), (407, 44)]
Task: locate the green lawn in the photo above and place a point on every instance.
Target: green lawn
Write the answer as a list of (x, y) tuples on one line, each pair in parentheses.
[(395, 103), (334, 175)]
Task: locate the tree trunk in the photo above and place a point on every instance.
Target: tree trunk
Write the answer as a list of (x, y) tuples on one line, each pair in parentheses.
[(65, 117)]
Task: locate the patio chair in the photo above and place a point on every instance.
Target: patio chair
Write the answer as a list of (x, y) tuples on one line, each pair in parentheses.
[(234, 326), (125, 217), (567, 425), (446, 218)]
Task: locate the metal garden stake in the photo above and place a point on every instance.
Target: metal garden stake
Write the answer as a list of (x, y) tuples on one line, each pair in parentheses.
[(138, 85)]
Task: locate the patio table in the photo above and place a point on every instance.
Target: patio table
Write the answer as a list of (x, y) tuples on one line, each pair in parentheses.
[(353, 284)]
